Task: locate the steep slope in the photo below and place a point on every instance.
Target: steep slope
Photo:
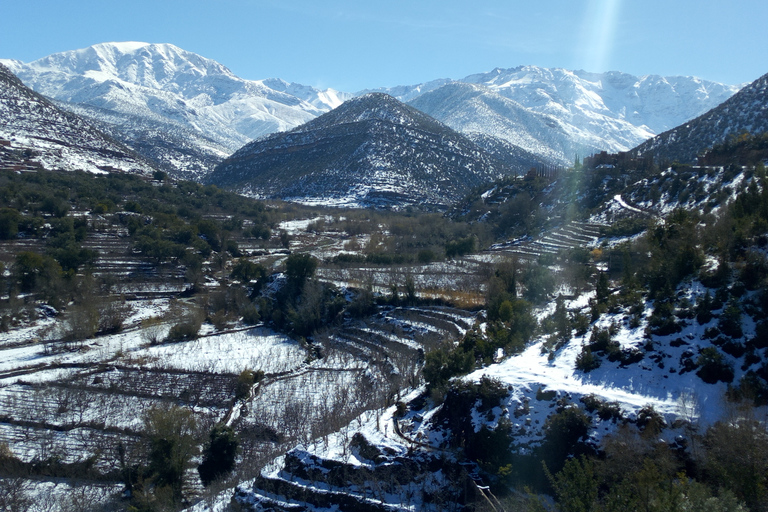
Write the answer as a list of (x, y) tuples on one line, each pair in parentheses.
[(372, 150), (516, 158), (161, 83), (592, 111), (177, 150), (746, 110), (55, 139), (471, 108)]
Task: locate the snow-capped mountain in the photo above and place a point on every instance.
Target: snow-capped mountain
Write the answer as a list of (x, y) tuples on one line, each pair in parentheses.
[(589, 111), (162, 84), (371, 151), (170, 95), (180, 151), (747, 110), (471, 108), (656, 102), (41, 134)]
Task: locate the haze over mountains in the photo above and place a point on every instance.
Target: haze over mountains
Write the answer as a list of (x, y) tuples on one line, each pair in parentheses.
[(160, 96)]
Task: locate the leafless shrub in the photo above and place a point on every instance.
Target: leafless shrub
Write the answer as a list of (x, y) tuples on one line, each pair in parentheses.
[(112, 315), (82, 323), (152, 330)]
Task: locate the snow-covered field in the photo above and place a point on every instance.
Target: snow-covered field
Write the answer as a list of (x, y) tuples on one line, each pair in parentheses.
[(252, 349), (68, 402)]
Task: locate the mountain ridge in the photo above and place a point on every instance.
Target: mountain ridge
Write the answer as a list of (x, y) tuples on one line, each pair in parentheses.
[(161, 83), (747, 110), (57, 138), (594, 112), (372, 150)]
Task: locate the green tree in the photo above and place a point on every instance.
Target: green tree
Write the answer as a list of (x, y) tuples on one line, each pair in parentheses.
[(219, 454), (730, 320), (737, 458), (713, 366), (442, 364), (249, 273), (576, 485), (461, 247), (171, 436), (210, 231), (564, 435), (33, 270), (299, 268), (602, 292), (561, 320), (9, 223)]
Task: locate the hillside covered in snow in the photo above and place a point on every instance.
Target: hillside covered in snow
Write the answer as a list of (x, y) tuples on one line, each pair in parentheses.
[(201, 112), (36, 133)]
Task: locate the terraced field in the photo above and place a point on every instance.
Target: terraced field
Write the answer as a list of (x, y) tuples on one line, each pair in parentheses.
[(79, 407), (571, 235)]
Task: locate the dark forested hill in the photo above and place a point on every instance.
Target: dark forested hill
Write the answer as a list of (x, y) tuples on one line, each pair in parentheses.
[(372, 151)]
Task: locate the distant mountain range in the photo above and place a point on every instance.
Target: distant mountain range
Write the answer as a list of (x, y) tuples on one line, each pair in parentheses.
[(371, 151), (747, 111), (160, 96), (557, 113)]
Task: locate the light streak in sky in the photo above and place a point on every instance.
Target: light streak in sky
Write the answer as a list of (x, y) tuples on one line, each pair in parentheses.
[(598, 33)]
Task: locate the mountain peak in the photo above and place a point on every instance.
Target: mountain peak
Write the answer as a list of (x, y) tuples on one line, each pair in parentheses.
[(124, 46), (160, 82), (157, 66), (373, 107), (372, 150)]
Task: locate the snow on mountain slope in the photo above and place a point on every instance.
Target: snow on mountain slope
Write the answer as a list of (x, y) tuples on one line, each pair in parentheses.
[(177, 150), (632, 386), (471, 108), (649, 103), (371, 151), (163, 83), (323, 100), (406, 93), (553, 113), (55, 139), (746, 110), (589, 111)]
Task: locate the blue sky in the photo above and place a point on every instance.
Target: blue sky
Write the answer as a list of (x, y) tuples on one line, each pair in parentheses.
[(354, 45)]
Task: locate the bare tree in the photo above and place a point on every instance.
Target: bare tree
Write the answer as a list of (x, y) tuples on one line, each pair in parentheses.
[(152, 329), (14, 495)]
